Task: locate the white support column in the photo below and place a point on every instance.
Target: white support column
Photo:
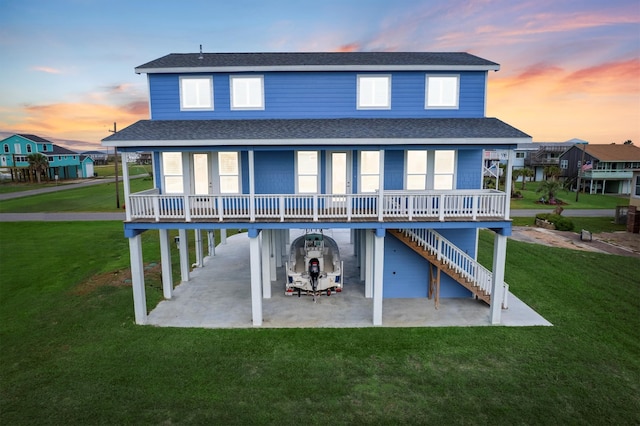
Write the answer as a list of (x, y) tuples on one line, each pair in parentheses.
[(279, 246), (137, 279), (199, 248), (252, 187), (272, 255), (378, 271), (256, 300), (184, 255), (165, 262), (265, 252), (508, 183), (368, 254), (499, 256), (126, 183), (381, 187), (223, 236), (211, 243)]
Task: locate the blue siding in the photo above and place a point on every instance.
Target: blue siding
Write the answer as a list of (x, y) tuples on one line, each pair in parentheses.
[(469, 169), (275, 172), (406, 273), (317, 95), (394, 170)]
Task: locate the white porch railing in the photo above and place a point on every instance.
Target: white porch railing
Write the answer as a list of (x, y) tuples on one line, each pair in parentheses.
[(394, 205), (458, 260)]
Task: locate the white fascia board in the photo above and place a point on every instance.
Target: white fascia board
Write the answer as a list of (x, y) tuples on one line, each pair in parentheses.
[(355, 68), (316, 142)]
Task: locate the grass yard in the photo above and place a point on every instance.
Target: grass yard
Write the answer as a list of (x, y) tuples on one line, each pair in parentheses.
[(585, 201), (109, 170), (71, 354), (94, 198), (593, 224)]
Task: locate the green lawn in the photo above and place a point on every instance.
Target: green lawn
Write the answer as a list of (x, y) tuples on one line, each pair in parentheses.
[(585, 201), (94, 198), (593, 224), (109, 170), (71, 354)]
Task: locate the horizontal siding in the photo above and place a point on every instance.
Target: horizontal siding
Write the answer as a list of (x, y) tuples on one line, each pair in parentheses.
[(469, 169), (275, 172), (318, 95)]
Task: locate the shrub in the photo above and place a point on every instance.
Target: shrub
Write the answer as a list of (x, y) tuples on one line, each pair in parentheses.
[(561, 223)]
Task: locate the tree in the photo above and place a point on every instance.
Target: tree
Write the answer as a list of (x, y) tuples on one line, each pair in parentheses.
[(38, 164), (526, 173), (552, 172), (549, 189), (628, 142)]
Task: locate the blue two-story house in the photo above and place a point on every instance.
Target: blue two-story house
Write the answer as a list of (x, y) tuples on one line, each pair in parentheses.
[(387, 144)]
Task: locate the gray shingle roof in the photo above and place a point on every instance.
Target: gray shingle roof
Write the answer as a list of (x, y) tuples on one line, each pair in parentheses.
[(317, 129), (34, 138), (59, 150), (317, 60)]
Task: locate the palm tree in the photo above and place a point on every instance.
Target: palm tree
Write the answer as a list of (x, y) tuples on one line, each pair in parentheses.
[(38, 164), (552, 172), (549, 189), (526, 173)]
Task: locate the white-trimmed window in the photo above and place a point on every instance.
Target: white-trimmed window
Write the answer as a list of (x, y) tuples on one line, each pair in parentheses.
[(229, 172), (307, 172), (196, 93), (442, 91), (172, 172), (564, 164), (247, 92), (6, 148), (416, 170), (29, 148), (369, 171), (637, 189), (444, 169), (374, 92)]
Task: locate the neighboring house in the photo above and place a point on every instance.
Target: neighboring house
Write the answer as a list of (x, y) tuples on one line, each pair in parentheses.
[(633, 214), (98, 157), (545, 154), (63, 163), (605, 169), (386, 144)]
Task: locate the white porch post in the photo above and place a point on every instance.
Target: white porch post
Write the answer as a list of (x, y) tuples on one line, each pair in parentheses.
[(378, 270), (499, 256), (211, 243), (256, 300), (252, 187), (184, 255), (165, 261), (199, 247), (368, 263), (137, 279), (265, 249), (279, 247), (381, 187), (126, 184), (508, 183)]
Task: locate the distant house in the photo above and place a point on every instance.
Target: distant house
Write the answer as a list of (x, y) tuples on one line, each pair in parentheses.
[(633, 214), (605, 169), (98, 157), (63, 163), (545, 154)]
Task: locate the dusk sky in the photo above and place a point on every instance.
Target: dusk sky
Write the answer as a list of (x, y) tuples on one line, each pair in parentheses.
[(569, 69)]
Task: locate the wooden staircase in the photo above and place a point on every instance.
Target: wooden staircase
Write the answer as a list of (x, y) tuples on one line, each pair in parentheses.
[(467, 272)]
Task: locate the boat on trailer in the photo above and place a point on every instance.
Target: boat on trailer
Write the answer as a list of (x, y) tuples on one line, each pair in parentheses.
[(314, 267)]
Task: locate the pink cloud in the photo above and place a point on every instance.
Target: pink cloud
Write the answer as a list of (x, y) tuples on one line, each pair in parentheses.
[(47, 70)]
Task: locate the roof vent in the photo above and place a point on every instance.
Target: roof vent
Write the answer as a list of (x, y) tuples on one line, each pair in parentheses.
[(200, 57)]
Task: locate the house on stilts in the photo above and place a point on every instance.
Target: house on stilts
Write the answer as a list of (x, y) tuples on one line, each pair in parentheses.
[(386, 144)]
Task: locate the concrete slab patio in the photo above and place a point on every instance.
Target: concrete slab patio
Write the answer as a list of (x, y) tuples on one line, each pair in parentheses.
[(218, 295)]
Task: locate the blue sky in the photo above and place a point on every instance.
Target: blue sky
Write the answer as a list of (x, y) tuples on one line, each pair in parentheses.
[(568, 68)]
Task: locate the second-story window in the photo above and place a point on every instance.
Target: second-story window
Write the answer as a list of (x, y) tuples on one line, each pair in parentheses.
[(374, 92), (444, 168), (172, 172), (229, 171), (307, 172), (29, 148), (564, 164), (196, 93), (416, 170), (247, 92), (442, 91), (369, 171), (6, 148)]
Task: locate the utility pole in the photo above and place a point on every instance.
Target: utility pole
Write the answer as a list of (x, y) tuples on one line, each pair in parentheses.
[(115, 161)]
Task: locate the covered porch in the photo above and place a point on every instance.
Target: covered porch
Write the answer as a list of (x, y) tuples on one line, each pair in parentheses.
[(218, 295)]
